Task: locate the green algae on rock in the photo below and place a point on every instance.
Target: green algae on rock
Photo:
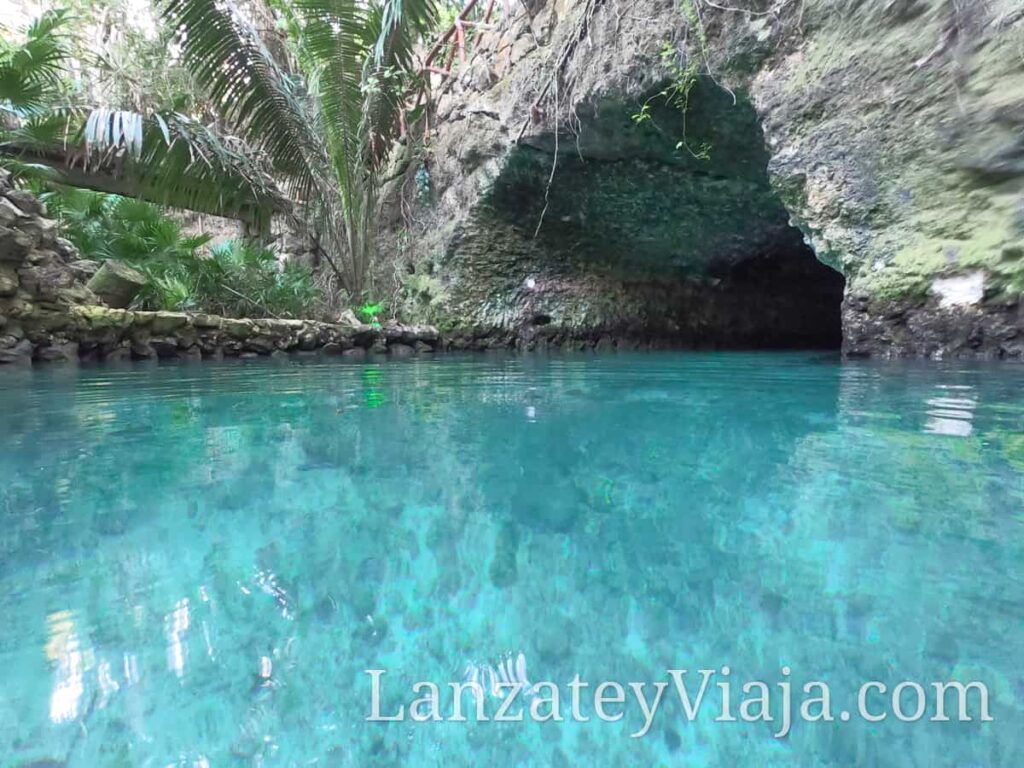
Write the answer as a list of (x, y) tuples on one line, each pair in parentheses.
[(888, 135)]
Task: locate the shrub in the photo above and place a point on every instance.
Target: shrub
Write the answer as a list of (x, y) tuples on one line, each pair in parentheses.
[(235, 278)]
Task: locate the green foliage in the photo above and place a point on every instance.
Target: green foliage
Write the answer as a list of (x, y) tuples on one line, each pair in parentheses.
[(371, 312), (323, 132), (684, 73), (110, 227), (683, 79), (233, 279), (422, 294), (238, 278), (268, 109), (447, 13), (175, 160), (31, 79), (31, 72), (130, 64), (169, 157), (1007, 276), (328, 133)]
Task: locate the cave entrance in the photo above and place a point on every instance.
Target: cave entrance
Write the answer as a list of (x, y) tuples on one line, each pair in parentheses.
[(665, 227), (781, 298)]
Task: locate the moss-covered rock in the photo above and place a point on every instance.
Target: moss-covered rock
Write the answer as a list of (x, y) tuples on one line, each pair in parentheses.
[(164, 323), (97, 317), (892, 137)]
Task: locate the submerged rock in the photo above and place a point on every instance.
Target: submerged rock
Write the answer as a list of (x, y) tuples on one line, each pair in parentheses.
[(400, 350), (503, 571), (66, 352)]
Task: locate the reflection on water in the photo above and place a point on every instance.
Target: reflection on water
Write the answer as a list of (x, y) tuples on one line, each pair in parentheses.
[(63, 652), (952, 412), (177, 626), (198, 563)]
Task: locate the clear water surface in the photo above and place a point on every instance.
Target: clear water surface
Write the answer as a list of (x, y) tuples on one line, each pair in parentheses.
[(197, 563)]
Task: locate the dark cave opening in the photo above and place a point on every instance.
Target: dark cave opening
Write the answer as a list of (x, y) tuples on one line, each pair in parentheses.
[(620, 229), (783, 298)]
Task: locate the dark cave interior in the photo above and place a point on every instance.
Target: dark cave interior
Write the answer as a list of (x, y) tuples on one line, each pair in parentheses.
[(669, 228)]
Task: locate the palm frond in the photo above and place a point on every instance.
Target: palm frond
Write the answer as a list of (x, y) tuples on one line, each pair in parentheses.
[(181, 162), (26, 171), (114, 128), (168, 159), (271, 112), (324, 138), (30, 72), (354, 54), (39, 131), (400, 24)]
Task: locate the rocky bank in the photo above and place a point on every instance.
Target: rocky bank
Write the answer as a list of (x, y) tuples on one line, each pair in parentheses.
[(835, 162)]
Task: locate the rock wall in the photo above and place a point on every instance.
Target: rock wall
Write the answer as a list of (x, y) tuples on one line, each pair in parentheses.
[(889, 133), (41, 277), (897, 138), (46, 313), (101, 333)]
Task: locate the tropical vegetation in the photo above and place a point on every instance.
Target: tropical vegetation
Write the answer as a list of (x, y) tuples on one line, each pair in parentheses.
[(233, 278), (249, 109)]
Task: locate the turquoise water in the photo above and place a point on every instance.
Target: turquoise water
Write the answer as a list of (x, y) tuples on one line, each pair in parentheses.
[(197, 563)]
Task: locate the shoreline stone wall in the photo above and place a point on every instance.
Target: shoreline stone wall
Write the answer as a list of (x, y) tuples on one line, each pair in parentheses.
[(90, 333)]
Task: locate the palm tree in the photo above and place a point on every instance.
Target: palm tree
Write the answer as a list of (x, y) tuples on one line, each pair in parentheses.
[(327, 134), (318, 137)]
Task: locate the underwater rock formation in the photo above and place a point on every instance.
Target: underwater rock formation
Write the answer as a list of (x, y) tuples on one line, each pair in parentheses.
[(882, 138)]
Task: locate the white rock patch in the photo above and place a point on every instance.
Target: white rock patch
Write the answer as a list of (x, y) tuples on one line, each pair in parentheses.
[(960, 291)]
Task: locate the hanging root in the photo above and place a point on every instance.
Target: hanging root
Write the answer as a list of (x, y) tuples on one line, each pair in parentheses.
[(564, 57), (551, 177), (554, 81)]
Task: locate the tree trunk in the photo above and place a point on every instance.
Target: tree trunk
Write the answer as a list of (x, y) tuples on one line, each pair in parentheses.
[(116, 283)]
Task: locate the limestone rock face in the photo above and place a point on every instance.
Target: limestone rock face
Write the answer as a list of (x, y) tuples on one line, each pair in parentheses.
[(8, 282), (15, 350), (36, 284), (886, 135), (894, 132), (116, 283)]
